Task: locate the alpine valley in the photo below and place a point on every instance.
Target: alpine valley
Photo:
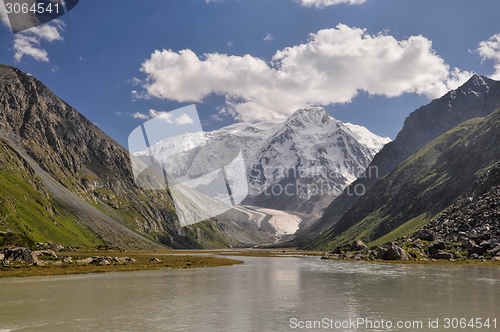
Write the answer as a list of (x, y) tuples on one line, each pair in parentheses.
[(65, 181)]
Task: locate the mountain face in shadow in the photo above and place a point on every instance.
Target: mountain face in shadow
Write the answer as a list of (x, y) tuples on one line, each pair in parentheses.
[(478, 97)]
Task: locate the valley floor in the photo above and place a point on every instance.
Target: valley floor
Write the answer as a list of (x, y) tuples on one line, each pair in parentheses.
[(90, 261)]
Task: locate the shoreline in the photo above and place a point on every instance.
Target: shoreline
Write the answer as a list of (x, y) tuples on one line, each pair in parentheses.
[(144, 260), (87, 262)]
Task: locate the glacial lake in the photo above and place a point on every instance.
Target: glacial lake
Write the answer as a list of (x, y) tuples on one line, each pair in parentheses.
[(264, 294)]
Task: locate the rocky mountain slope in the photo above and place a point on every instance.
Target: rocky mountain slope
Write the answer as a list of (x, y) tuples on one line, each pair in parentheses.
[(83, 178), (474, 217), (422, 186), (478, 97), (470, 228)]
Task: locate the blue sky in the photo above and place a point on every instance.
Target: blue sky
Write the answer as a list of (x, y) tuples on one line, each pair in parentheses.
[(368, 62)]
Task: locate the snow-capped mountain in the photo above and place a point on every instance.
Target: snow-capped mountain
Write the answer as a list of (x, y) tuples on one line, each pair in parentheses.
[(309, 148), (309, 160)]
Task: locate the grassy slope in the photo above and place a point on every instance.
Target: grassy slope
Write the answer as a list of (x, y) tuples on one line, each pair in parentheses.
[(421, 187), (28, 210)]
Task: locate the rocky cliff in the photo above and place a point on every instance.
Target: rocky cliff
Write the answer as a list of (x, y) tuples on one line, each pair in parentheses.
[(85, 172)]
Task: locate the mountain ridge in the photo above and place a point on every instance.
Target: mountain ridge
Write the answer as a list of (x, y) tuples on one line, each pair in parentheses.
[(91, 168), (478, 97), (421, 187)]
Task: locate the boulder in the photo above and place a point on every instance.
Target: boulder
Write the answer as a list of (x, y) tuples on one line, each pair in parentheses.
[(59, 247), (154, 259), (49, 253), (104, 262), (86, 260), (496, 258), (381, 252), (468, 244), (358, 245), (67, 259), (476, 250), (443, 255), (12, 253), (439, 244), (359, 256), (462, 236), (425, 235), (337, 251), (348, 255), (486, 245), (395, 253), (436, 247), (494, 250)]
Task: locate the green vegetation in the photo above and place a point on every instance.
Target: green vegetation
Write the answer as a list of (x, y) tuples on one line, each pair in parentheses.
[(421, 187), (28, 211), (143, 262), (407, 228)]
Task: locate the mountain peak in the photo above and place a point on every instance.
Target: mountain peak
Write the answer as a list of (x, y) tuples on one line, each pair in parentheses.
[(478, 84), (315, 115)]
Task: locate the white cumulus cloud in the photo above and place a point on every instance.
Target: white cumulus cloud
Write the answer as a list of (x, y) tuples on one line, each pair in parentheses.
[(490, 49), (182, 119), (332, 67), (27, 42)]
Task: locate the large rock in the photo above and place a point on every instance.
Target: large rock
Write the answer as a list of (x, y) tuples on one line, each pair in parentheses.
[(443, 255), (436, 247), (358, 245), (381, 252), (86, 260), (12, 253), (486, 245), (494, 250), (426, 235), (440, 245), (476, 250), (395, 253), (49, 253), (468, 244), (67, 259)]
